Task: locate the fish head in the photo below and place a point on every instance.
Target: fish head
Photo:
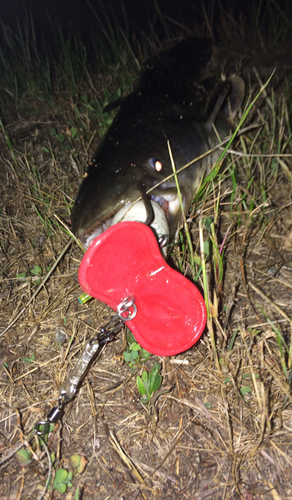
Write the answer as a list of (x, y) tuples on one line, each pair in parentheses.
[(150, 137), (122, 172)]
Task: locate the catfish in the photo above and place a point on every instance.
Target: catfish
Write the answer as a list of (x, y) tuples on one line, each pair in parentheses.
[(176, 103)]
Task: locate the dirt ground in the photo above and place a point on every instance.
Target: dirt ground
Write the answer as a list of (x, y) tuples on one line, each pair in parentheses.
[(222, 427)]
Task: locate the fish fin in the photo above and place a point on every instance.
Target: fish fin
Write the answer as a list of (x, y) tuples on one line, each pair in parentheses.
[(215, 102), (235, 97), (226, 97), (114, 104)]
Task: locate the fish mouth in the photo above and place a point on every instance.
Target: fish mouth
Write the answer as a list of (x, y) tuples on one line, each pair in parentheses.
[(169, 202)]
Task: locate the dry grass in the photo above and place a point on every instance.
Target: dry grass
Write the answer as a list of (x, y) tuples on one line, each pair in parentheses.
[(223, 428)]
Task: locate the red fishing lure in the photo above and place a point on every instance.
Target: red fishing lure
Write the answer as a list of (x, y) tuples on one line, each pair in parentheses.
[(126, 260)]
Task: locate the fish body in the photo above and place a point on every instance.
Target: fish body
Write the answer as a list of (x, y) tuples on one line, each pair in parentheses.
[(171, 103)]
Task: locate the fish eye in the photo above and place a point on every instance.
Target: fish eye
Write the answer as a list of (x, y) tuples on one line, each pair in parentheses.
[(156, 164)]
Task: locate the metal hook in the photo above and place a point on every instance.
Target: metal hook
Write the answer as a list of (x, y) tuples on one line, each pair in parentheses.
[(125, 306)]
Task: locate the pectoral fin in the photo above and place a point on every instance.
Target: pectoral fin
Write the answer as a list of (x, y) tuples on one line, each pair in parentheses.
[(235, 98), (215, 102), (226, 98)]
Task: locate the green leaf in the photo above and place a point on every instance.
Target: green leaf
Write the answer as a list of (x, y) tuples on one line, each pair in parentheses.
[(155, 384), (61, 476), (24, 463), (144, 376), (44, 149), (127, 356), (145, 355), (76, 496), (24, 457), (155, 369), (21, 275), (154, 379), (134, 355), (140, 385), (60, 487), (135, 347), (245, 390), (207, 248), (232, 340), (29, 360), (23, 454), (36, 270), (74, 133)]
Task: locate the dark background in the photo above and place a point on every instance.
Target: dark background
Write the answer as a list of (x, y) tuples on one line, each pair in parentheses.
[(136, 14), (79, 13)]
